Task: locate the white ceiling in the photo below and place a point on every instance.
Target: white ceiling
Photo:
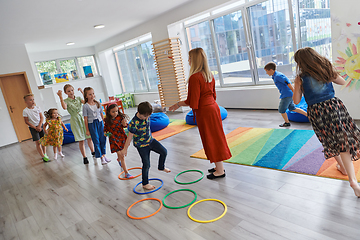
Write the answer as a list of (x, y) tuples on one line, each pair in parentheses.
[(46, 25)]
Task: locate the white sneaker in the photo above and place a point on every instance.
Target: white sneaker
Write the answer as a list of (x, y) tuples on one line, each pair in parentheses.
[(103, 161), (55, 156), (107, 159), (61, 154)]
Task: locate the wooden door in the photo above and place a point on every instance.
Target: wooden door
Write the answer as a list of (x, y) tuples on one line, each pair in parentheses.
[(14, 87)]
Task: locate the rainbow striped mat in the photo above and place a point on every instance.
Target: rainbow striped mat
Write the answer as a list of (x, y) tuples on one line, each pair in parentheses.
[(176, 126), (291, 150)]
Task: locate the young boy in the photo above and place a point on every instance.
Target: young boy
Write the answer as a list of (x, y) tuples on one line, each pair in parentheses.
[(34, 119), (139, 131), (286, 92)]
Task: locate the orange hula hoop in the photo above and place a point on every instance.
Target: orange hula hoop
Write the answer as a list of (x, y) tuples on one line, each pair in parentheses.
[(129, 170), (138, 218)]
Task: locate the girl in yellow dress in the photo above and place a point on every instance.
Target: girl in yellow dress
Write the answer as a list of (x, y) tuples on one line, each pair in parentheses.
[(54, 134)]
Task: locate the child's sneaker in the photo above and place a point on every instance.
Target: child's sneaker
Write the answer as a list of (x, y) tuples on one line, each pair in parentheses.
[(61, 154), (285, 124), (103, 161), (86, 161), (45, 159), (128, 175), (107, 159), (55, 156)]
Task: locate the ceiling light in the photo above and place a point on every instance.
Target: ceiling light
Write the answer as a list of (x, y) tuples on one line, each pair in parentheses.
[(99, 26), (70, 43)]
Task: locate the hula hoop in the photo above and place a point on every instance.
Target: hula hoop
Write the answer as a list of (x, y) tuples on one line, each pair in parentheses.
[(163, 201), (129, 170), (207, 221), (202, 176), (138, 218), (162, 183)]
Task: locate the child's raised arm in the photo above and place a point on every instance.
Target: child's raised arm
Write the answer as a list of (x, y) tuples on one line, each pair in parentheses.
[(339, 80), (63, 104), (82, 92)]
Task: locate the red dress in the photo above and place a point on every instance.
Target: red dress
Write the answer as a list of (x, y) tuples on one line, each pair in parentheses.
[(201, 98), (118, 136)]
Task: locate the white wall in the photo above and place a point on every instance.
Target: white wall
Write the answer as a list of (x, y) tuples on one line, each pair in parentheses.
[(14, 58), (340, 32)]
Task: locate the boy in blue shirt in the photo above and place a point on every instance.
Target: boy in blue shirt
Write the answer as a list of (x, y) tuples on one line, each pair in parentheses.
[(139, 132), (286, 92)]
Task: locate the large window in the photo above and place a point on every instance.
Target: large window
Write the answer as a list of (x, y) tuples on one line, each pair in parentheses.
[(136, 66), (248, 35), (199, 35), (61, 70)]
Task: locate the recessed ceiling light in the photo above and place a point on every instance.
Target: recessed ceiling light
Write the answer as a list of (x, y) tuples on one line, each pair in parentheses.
[(99, 26), (70, 43)]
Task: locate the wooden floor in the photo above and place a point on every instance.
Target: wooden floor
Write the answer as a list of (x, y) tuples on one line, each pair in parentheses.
[(65, 199)]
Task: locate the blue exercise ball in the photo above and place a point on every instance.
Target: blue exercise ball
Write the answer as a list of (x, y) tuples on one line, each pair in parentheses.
[(298, 117), (190, 116), (158, 121)]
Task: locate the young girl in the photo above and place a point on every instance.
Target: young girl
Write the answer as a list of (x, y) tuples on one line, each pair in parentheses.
[(54, 135), (332, 124), (115, 122), (93, 117), (74, 106)]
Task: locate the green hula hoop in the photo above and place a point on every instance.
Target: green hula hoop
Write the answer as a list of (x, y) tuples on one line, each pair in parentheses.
[(179, 191), (202, 176)]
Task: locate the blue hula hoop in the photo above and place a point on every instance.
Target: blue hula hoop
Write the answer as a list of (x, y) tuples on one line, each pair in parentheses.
[(158, 179)]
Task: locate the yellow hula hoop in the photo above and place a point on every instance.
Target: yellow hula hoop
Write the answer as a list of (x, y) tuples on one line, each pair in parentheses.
[(207, 221)]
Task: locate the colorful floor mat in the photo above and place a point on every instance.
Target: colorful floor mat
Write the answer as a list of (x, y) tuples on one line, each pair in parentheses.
[(283, 149), (176, 126)]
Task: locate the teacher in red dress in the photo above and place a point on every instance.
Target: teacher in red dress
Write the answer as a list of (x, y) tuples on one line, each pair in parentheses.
[(202, 99)]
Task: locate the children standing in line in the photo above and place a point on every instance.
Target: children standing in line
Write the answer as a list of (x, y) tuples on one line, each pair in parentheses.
[(93, 117), (115, 121), (54, 135), (333, 125), (139, 131), (34, 119), (74, 106), (286, 92)]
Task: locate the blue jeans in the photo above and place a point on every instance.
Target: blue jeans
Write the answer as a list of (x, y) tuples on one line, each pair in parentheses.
[(286, 103), (96, 129), (145, 158)]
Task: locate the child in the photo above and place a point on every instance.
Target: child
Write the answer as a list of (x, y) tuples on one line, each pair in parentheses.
[(332, 124), (54, 134), (139, 131), (34, 119), (74, 106), (115, 121), (286, 93), (93, 117)]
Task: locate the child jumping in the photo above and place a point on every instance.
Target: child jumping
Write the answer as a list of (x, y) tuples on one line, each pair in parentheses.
[(74, 106), (332, 124), (286, 92), (34, 118), (115, 122), (54, 135), (93, 118), (139, 131)]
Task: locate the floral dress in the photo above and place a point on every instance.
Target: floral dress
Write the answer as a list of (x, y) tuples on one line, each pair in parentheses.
[(55, 133), (118, 135)]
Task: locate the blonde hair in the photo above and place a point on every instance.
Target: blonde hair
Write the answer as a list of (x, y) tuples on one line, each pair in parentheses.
[(199, 64), (86, 99), (67, 86), (310, 62), (28, 95)]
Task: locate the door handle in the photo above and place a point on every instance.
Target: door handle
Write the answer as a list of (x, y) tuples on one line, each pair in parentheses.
[(11, 109)]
